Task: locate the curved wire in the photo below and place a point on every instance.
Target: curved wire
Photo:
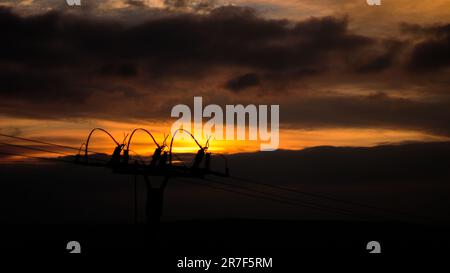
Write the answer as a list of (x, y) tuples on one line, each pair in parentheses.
[(173, 137), (89, 137), (145, 130), (81, 148)]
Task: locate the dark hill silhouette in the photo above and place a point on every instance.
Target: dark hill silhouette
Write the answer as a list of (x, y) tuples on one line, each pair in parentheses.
[(350, 164)]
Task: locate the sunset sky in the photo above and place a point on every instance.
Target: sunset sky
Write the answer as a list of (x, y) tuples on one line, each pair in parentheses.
[(344, 73)]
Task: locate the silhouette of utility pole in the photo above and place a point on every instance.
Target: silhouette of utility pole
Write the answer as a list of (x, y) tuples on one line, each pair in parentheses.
[(155, 200), (159, 166)]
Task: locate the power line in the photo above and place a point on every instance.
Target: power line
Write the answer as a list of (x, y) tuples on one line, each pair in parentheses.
[(258, 196), (37, 157), (34, 148), (41, 142), (46, 150), (311, 204), (316, 195), (48, 143), (305, 203)]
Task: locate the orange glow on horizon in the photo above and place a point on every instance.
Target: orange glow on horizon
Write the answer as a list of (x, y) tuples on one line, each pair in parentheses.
[(72, 133)]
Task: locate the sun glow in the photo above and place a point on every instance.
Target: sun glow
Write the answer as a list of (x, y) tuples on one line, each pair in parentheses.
[(74, 133)]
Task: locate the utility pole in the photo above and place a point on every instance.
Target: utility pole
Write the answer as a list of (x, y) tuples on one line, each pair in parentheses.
[(155, 200), (159, 166)]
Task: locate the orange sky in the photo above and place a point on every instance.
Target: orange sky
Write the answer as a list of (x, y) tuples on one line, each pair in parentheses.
[(73, 133), (395, 91)]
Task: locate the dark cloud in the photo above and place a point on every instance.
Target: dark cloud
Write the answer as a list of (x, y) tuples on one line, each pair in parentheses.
[(68, 65), (376, 61), (196, 5), (121, 70), (372, 111), (136, 3), (226, 36), (38, 86), (379, 63), (431, 55), (242, 82), (433, 30), (433, 51)]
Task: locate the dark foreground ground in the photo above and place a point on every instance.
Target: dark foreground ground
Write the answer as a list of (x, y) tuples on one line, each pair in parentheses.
[(43, 206), (286, 242)]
